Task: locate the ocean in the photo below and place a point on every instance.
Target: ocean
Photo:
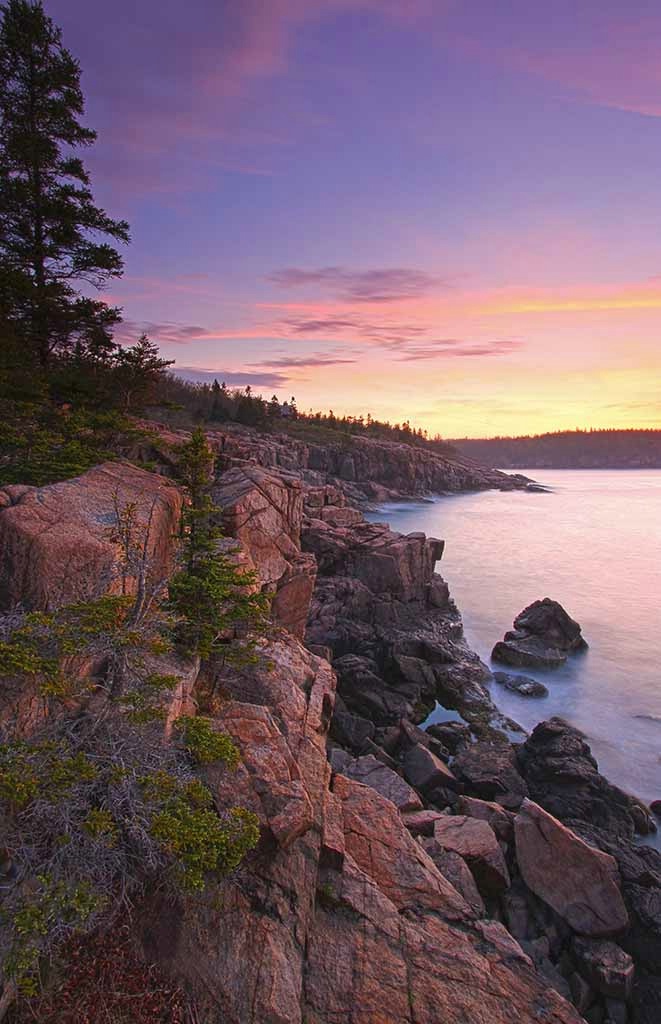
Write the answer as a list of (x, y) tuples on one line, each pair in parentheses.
[(594, 544)]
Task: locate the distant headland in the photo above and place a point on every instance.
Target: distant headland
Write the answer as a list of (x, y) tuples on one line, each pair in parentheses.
[(568, 449)]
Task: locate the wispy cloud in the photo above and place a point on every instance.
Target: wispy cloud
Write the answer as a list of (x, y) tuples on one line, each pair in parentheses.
[(383, 331), (303, 362), (383, 284), (458, 348), (235, 378), (174, 333), (610, 59)]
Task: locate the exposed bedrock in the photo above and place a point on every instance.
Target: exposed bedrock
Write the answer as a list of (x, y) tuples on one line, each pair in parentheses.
[(394, 632), (544, 635), (402, 875), (264, 511), (340, 914), (59, 544), (365, 469)]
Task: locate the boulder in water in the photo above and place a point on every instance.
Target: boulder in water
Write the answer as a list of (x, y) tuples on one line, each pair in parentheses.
[(544, 635)]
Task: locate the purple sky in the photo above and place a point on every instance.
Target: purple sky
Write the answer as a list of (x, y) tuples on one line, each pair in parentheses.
[(447, 211)]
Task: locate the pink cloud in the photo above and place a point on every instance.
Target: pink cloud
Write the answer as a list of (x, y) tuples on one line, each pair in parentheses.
[(382, 284)]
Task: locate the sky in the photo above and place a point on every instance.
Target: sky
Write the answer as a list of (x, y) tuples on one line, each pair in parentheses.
[(446, 211)]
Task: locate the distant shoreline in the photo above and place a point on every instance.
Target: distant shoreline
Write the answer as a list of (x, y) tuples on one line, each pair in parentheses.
[(575, 449)]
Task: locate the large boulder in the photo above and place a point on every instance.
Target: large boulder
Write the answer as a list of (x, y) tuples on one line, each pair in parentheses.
[(59, 544), (640, 870), (579, 882), (544, 635)]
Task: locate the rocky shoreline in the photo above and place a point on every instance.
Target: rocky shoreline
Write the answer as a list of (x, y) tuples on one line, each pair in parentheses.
[(403, 875)]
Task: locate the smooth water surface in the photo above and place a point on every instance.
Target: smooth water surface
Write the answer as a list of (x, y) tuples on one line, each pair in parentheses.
[(594, 544)]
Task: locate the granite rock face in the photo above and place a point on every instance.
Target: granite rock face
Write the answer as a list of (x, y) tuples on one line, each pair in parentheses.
[(339, 913), (364, 469), (58, 544), (363, 901), (395, 635), (264, 512), (544, 635), (475, 841)]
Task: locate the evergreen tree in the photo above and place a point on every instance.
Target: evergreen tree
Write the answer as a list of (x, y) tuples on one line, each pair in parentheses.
[(51, 232), (138, 371)]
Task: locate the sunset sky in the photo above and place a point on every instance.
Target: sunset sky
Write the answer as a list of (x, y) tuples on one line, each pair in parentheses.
[(441, 210)]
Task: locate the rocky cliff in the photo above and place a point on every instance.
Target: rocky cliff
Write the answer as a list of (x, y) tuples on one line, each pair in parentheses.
[(366, 470), (402, 876)]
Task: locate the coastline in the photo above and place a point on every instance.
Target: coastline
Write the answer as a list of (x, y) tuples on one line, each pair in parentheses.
[(383, 846)]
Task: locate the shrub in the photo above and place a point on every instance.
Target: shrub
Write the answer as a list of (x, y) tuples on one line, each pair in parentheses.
[(205, 744), (201, 842)]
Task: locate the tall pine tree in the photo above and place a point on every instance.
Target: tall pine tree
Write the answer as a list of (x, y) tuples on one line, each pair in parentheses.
[(52, 236)]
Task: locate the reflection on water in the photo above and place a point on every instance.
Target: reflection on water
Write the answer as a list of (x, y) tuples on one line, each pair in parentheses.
[(594, 544)]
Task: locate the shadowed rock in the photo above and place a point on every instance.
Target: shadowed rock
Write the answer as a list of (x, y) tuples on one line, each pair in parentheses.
[(544, 635), (385, 781), (564, 778)]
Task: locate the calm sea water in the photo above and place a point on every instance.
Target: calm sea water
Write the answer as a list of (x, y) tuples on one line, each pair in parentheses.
[(594, 544)]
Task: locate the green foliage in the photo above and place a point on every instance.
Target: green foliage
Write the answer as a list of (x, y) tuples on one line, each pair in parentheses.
[(100, 804), (43, 443), (202, 842), (50, 229), (568, 449), (211, 597), (20, 658), (19, 782), (47, 770), (181, 402), (38, 645), (52, 905), (78, 625), (144, 704), (204, 743), (101, 825), (327, 896), (89, 825), (137, 372)]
